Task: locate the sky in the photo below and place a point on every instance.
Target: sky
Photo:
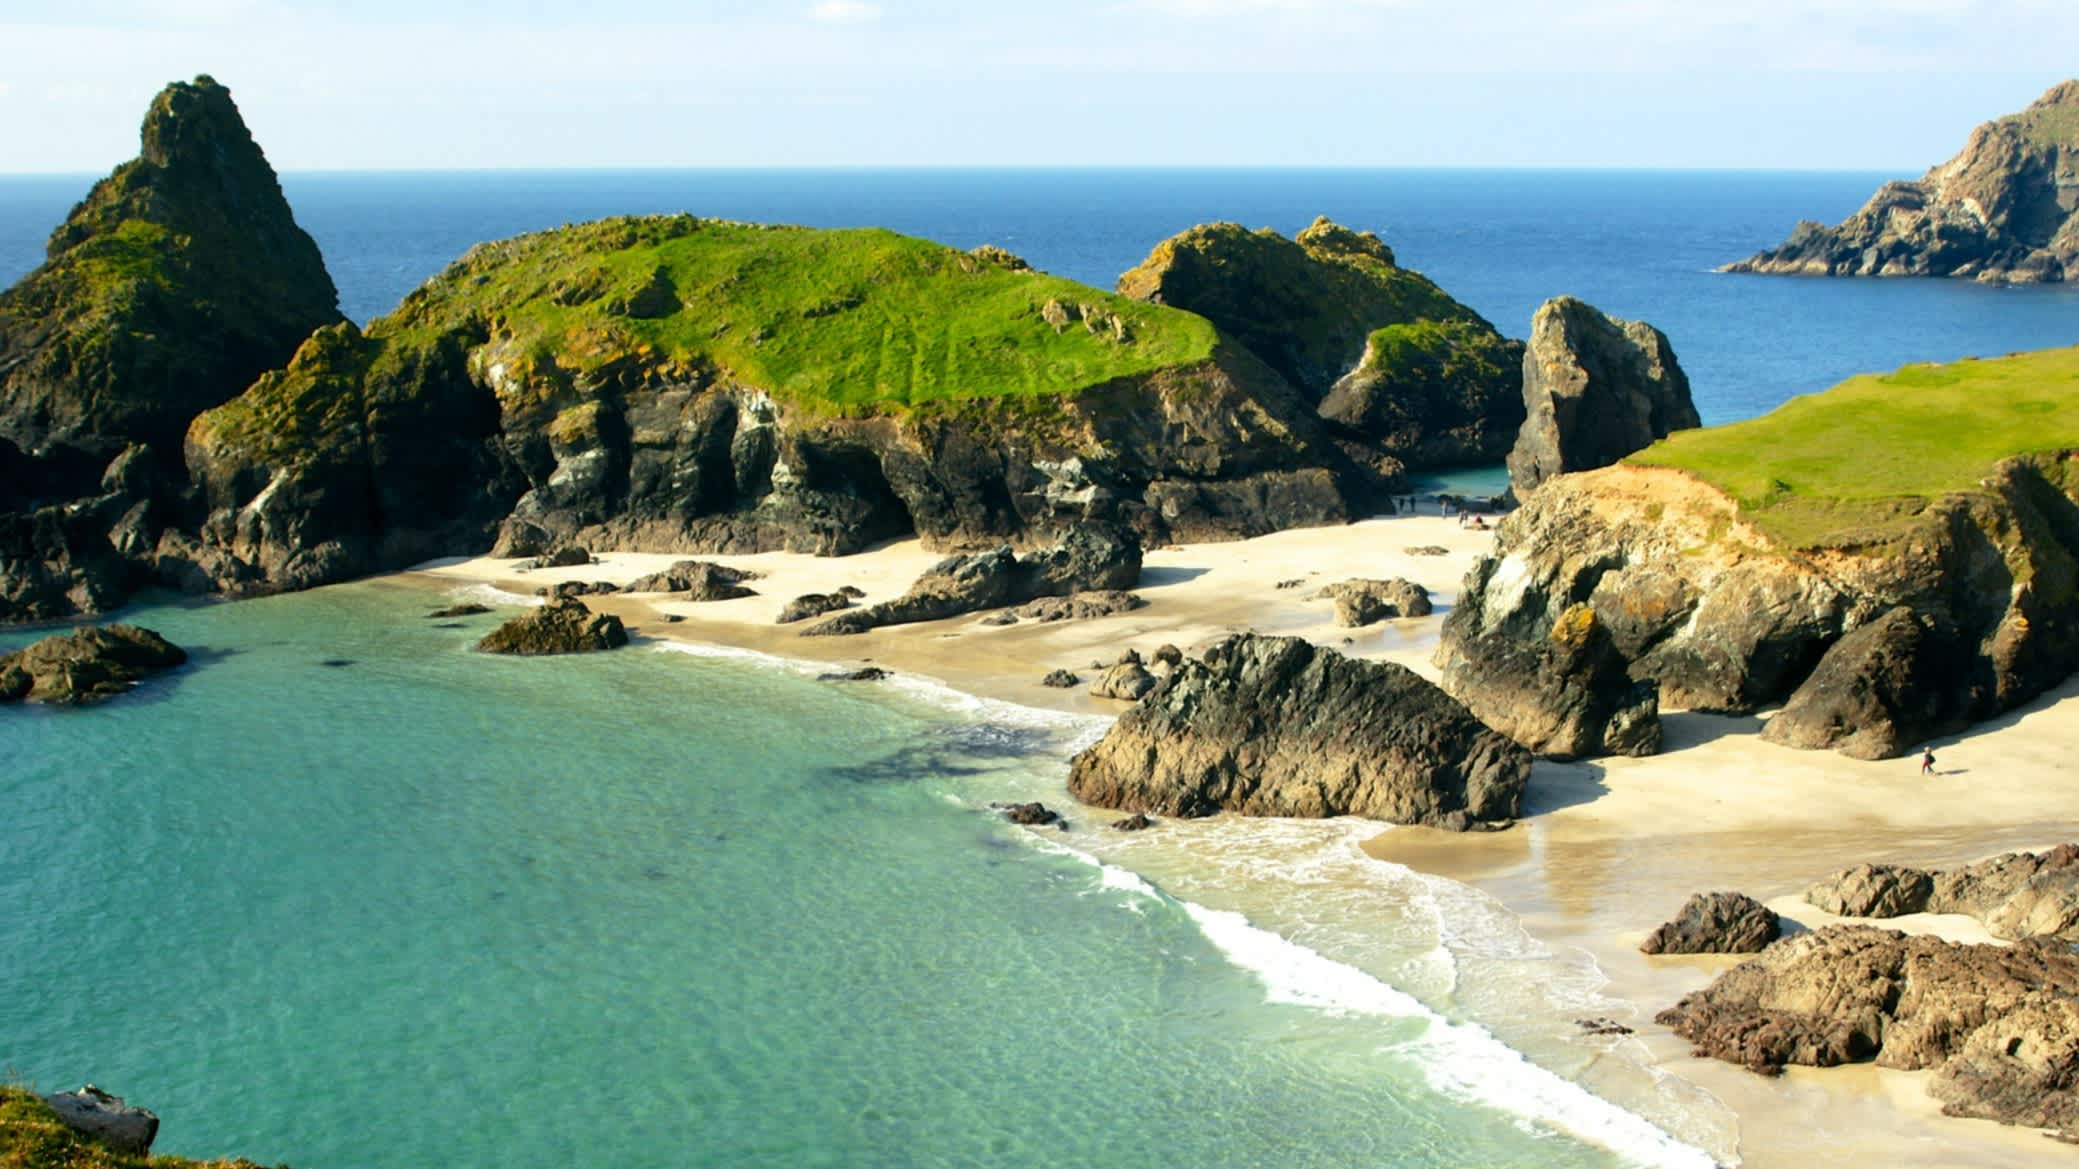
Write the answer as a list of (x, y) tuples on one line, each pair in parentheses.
[(1891, 85)]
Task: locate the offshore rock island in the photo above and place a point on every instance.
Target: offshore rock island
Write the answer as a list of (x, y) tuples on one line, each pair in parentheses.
[(2004, 210)]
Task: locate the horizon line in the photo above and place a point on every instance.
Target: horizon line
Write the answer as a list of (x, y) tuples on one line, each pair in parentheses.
[(662, 168)]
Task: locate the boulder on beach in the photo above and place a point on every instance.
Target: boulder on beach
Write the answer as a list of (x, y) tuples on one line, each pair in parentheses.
[(1363, 602), (1089, 557), (564, 625), (1716, 923), (2016, 895), (699, 580)]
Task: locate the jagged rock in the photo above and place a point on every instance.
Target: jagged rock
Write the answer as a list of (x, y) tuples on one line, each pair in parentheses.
[(1363, 602), (1716, 923), (87, 665), (2000, 1024), (1138, 822), (107, 1119), (567, 556), (1127, 681), (464, 609), (1273, 726), (1595, 389), (2016, 895), (171, 286), (1032, 815), (1079, 606), (1880, 688), (1567, 695), (1873, 891), (562, 626), (699, 580), (810, 605), (2001, 211), (1386, 355), (1089, 557), (1061, 679)]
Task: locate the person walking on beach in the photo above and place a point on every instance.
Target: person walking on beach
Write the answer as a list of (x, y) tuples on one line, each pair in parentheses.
[(1927, 761)]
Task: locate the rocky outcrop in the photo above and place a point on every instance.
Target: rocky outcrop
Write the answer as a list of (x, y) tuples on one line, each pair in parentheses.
[(1032, 815), (1126, 679), (1274, 726), (1716, 923), (809, 605), (1566, 693), (1089, 557), (2004, 210), (699, 580), (171, 286), (1404, 372), (1998, 1024), (564, 625), (1364, 602), (94, 1113), (85, 666), (2017, 895), (1060, 679), (1079, 606), (1595, 389), (1973, 598)]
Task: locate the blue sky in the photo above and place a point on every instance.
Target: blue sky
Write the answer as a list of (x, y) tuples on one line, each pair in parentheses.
[(1860, 84)]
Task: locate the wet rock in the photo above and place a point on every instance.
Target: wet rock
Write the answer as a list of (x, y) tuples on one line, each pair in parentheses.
[(1716, 923), (1274, 726), (862, 674), (1138, 822), (1602, 1026), (1363, 602), (465, 609), (564, 625), (1031, 815), (85, 666)]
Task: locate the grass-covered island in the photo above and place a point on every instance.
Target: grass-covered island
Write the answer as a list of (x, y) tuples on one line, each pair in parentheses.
[(1858, 463)]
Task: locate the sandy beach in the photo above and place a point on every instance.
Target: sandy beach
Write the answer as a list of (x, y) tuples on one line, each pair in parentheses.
[(1606, 851)]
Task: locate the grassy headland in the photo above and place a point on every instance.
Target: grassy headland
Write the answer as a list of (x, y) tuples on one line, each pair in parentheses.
[(1854, 464)]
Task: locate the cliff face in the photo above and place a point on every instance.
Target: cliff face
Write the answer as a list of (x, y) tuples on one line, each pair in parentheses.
[(1969, 607), (2005, 209), (687, 385), (1595, 389), (1401, 371), (177, 281)]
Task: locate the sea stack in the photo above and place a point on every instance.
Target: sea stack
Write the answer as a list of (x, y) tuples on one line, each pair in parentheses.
[(1595, 389)]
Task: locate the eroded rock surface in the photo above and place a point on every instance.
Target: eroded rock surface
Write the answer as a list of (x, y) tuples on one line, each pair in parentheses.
[(2017, 895), (1274, 726), (1365, 602), (87, 665), (1716, 923), (1595, 389), (564, 625)]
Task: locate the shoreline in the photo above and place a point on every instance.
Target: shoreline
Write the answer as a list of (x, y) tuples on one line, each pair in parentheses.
[(1605, 850)]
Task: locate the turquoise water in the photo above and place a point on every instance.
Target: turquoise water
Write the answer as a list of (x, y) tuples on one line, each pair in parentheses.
[(345, 893)]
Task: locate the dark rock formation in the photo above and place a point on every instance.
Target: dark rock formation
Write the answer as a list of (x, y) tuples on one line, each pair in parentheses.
[(562, 626), (1363, 602), (1398, 367), (1032, 815), (1725, 619), (465, 609), (1061, 679), (1273, 726), (2005, 209), (2017, 895), (578, 588), (700, 580), (1079, 606), (1138, 822), (87, 665), (1089, 557), (1595, 389), (1999, 1024), (1168, 656), (171, 286), (1716, 923), (862, 674), (94, 1113), (1567, 694), (809, 605), (572, 556)]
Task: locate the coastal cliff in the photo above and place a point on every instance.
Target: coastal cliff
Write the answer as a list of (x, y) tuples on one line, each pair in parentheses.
[(2004, 210), (168, 289), (1932, 583), (1398, 368)]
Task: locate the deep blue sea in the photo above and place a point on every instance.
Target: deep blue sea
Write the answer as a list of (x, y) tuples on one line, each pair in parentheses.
[(344, 893)]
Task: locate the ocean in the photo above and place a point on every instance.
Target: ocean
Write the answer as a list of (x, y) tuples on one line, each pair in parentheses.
[(345, 893)]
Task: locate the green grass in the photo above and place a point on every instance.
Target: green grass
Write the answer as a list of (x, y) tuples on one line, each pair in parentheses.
[(1854, 465), (32, 1137), (842, 318)]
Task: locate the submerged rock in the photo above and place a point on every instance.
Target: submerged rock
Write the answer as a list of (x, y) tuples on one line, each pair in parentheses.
[(1274, 726), (88, 665), (1595, 389), (562, 626), (1716, 923)]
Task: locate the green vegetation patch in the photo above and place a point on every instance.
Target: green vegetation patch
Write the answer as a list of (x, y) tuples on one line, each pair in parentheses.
[(1853, 466), (32, 1137), (1447, 351), (842, 318)]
